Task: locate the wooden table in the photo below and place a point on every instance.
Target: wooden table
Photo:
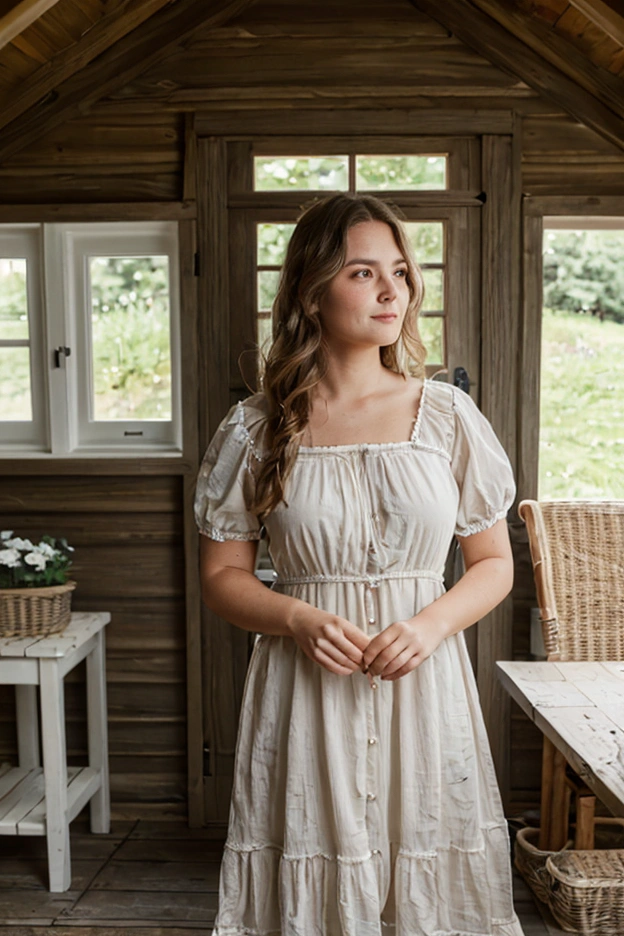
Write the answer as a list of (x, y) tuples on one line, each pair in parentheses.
[(43, 800), (579, 707)]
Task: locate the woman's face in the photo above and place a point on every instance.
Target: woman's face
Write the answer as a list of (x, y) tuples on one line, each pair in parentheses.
[(365, 303)]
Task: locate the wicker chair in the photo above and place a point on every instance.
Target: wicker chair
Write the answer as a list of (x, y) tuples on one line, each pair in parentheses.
[(577, 550)]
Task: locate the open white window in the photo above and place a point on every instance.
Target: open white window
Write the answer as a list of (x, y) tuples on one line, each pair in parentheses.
[(110, 384)]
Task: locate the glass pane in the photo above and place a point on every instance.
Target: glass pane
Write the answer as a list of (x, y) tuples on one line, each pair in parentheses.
[(272, 243), (130, 336), (401, 172), (267, 288), (277, 173), (427, 239), (432, 334), (434, 298), (582, 397), (264, 332), (13, 299), (15, 397)]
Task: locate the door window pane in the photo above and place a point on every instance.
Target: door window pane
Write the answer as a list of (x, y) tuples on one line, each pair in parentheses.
[(13, 299), (427, 239), (15, 393), (292, 173), (130, 337), (383, 173), (432, 333), (267, 288), (272, 243), (434, 298)]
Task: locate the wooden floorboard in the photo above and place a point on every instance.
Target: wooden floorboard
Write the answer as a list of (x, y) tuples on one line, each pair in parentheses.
[(146, 878)]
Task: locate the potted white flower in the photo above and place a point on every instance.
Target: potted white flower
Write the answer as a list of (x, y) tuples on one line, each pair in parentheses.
[(35, 594)]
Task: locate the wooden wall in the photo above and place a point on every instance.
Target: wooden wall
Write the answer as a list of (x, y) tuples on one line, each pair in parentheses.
[(127, 534), (137, 145)]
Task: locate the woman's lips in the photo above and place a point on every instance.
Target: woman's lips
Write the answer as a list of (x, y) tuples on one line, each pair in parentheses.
[(390, 317)]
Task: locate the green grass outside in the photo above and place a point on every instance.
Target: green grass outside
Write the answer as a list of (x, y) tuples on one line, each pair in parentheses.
[(582, 407)]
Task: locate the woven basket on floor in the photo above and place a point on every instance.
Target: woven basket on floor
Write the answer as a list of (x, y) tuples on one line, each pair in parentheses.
[(531, 862), (586, 888), (35, 612)]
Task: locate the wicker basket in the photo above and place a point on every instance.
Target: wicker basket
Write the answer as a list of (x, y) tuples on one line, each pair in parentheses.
[(531, 862), (35, 612), (586, 888)]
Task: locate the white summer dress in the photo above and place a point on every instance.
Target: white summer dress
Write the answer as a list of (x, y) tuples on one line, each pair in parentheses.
[(361, 811)]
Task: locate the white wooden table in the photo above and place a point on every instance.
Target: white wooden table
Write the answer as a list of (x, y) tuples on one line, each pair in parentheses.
[(579, 707), (38, 799)]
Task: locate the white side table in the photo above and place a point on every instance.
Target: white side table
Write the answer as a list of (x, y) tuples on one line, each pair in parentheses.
[(36, 800)]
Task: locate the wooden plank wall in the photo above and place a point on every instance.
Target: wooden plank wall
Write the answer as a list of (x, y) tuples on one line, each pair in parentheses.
[(127, 534), (132, 147)]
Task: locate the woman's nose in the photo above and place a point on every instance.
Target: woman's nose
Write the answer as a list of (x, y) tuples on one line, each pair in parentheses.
[(387, 290)]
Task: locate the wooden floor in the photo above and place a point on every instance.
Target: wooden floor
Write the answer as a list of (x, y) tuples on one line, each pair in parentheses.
[(158, 878)]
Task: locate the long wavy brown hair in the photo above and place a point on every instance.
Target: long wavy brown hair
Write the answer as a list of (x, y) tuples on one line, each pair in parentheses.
[(297, 359)]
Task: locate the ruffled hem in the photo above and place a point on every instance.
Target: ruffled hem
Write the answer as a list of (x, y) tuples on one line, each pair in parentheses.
[(482, 525), (450, 892)]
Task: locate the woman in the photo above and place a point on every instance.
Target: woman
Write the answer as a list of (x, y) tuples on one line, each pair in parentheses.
[(364, 799)]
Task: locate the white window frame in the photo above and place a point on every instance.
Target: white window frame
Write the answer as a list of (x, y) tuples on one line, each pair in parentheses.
[(64, 394), (23, 241)]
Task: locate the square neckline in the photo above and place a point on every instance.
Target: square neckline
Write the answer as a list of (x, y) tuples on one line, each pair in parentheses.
[(376, 446)]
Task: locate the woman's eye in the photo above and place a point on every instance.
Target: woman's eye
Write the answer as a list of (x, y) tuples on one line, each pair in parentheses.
[(363, 273), (402, 273)]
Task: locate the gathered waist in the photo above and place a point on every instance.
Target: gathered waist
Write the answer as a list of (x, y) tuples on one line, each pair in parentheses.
[(372, 581)]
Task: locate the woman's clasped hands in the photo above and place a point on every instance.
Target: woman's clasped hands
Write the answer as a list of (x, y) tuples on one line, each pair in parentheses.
[(342, 648)]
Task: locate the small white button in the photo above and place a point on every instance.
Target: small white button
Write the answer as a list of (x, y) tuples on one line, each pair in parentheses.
[(372, 740), (371, 797), (375, 851), (371, 620), (373, 685)]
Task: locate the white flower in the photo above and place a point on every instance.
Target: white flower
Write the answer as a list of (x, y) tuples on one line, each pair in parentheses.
[(6, 534), (46, 549), (36, 559), (19, 543), (10, 558)]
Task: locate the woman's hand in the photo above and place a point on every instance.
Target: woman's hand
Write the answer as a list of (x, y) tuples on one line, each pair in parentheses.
[(329, 640), (403, 646)]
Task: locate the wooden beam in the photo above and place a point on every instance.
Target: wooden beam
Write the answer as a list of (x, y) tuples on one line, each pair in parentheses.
[(604, 16), (557, 50), (499, 45), (21, 17), (120, 63), (109, 29)]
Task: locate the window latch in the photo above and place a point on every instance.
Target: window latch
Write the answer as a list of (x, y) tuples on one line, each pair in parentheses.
[(58, 352)]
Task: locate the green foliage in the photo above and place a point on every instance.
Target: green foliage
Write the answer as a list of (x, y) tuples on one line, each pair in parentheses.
[(25, 565), (582, 407), (584, 272), (130, 333)]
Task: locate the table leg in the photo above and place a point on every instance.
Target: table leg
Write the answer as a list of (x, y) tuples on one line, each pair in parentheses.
[(98, 734), (55, 773), (27, 726), (548, 763), (560, 817)]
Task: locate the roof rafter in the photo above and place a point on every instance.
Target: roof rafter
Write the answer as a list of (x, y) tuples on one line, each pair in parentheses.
[(20, 17), (112, 27), (114, 66), (514, 53), (604, 16)]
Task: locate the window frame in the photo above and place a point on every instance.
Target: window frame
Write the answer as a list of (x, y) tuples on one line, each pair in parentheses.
[(66, 429)]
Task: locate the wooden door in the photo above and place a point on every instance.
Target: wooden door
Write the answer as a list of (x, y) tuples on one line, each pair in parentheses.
[(241, 220)]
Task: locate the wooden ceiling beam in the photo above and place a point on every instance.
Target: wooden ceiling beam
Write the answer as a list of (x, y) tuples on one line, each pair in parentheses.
[(514, 54), (20, 17), (118, 62), (557, 50), (604, 16), (110, 28)]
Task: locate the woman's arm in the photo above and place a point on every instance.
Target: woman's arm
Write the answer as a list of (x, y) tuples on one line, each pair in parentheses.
[(403, 646), (230, 589)]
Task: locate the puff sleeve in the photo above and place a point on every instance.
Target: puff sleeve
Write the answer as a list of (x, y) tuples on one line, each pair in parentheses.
[(224, 486), (480, 467)]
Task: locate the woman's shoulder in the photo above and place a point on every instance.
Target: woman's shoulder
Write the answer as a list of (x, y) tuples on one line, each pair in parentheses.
[(435, 428)]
